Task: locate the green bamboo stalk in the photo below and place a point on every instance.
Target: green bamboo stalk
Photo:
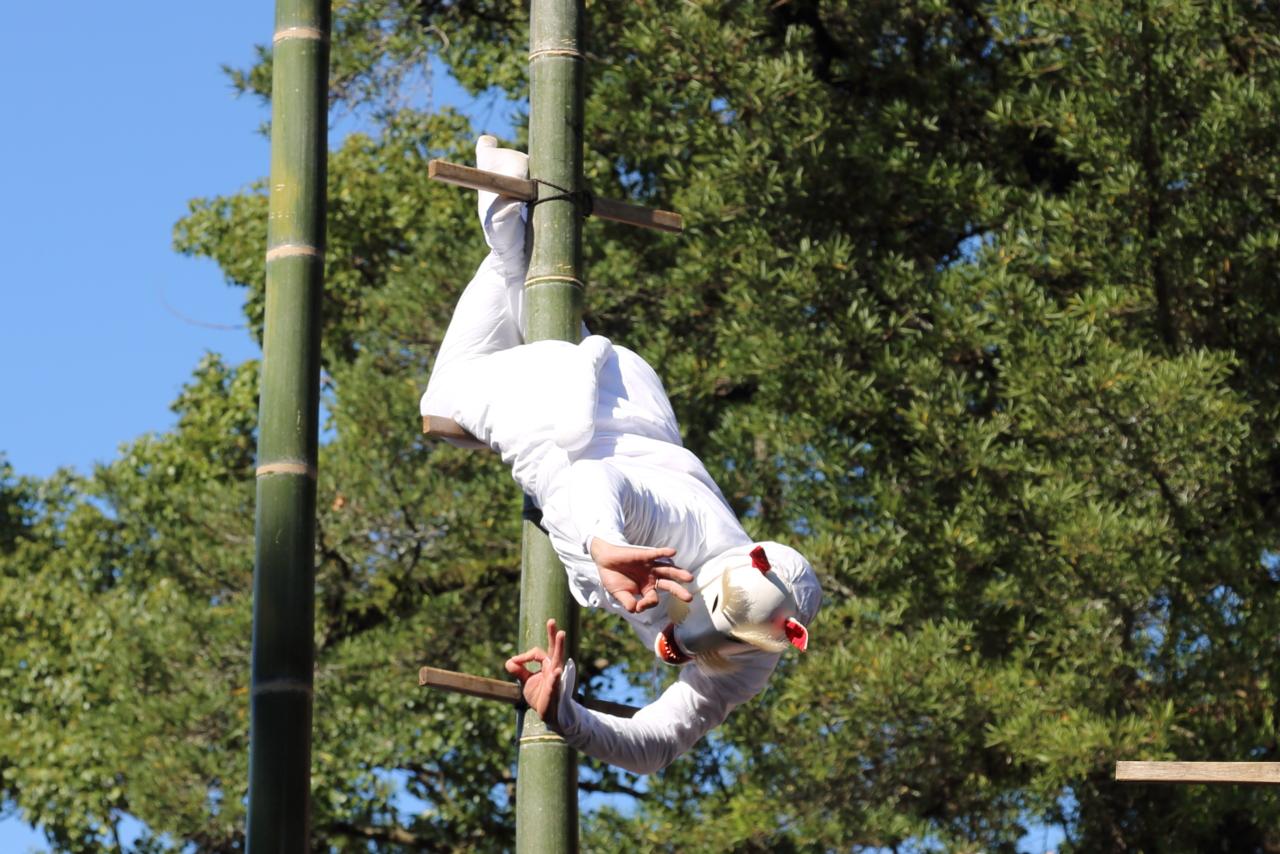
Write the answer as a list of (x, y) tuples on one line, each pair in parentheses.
[(288, 425), (554, 285), (547, 779), (547, 773)]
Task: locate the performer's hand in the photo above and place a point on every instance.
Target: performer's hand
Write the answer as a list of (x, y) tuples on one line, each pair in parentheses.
[(634, 575), (542, 686)]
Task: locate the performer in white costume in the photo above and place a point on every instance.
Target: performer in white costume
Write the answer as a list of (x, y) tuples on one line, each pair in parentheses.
[(590, 435)]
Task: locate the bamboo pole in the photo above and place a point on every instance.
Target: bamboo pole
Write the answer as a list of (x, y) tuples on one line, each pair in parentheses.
[(283, 597), (546, 783)]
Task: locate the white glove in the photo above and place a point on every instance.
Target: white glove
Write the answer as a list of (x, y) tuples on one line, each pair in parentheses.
[(501, 217)]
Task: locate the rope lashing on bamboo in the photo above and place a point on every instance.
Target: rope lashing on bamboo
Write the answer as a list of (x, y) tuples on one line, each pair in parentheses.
[(583, 200), (526, 190)]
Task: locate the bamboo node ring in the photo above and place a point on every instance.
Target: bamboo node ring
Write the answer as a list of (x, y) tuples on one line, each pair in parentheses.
[(288, 250), (287, 468), (534, 281), (283, 686), (572, 53), (310, 33)]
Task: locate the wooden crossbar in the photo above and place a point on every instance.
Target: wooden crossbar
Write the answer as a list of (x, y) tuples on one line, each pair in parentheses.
[(526, 190), (1258, 773), (505, 692), (446, 428)]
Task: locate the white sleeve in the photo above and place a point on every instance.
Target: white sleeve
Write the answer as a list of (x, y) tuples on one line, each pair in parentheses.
[(666, 728), (594, 502)]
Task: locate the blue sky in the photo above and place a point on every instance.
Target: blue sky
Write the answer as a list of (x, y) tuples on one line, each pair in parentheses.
[(112, 127)]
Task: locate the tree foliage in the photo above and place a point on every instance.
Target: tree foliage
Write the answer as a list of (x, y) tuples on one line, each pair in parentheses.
[(975, 306)]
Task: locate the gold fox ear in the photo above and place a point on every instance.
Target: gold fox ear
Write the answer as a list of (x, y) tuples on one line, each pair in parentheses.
[(735, 601), (760, 636), (677, 609)]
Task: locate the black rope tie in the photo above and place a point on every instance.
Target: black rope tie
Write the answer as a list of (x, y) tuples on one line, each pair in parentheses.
[(531, 512), (582, 199)]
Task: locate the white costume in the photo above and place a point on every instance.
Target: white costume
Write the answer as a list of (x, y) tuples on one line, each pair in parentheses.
[(591, 437)]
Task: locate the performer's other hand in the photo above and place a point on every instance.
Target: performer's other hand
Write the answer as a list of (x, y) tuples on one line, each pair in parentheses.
[(541, 686), (634, 575)]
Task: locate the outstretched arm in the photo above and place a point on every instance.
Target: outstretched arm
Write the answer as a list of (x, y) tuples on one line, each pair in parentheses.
[(668, 727)]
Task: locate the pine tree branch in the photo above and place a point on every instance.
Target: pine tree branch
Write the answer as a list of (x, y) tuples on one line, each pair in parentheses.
[(614, 788), (397, 835), (1149, 154)]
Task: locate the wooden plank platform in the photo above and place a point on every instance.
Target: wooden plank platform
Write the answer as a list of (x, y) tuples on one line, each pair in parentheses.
[(527, 191), (1254, 773), (505, 692), (447, 428)]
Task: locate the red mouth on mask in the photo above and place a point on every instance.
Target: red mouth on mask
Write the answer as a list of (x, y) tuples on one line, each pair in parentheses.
[(668, 648)]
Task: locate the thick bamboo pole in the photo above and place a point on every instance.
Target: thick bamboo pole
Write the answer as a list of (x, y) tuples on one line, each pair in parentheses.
[(554, 284), (283, 598), (546, 783)]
